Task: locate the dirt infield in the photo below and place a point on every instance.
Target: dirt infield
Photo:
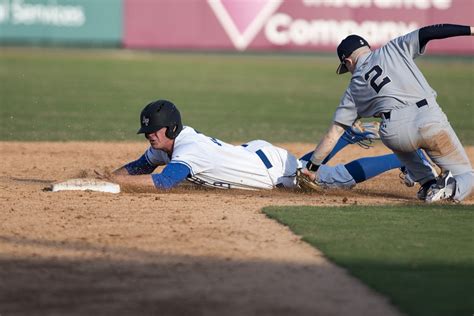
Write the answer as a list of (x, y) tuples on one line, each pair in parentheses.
[(185, 252)]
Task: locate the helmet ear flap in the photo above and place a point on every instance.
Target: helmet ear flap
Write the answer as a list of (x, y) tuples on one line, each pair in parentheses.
[(172, 131)]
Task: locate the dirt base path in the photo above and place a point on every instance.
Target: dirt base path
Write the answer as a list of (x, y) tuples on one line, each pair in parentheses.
[(186, 252)]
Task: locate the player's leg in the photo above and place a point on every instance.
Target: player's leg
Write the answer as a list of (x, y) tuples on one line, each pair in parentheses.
[(419, 170), (346, 176), (446, 151), (401, 133), (363, 169), (408, 177)]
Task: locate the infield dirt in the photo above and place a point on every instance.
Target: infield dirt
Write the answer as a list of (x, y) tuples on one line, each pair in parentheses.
[(184, 252)]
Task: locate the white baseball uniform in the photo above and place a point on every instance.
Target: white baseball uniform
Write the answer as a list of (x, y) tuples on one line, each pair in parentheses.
[(214, 163)]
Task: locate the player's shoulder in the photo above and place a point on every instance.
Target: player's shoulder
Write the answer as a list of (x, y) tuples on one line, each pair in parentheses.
[(188, 139), (402, 40), (190, 147), (189, 135)]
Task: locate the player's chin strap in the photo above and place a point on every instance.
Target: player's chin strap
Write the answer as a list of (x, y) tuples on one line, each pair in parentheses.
[(362, 134)]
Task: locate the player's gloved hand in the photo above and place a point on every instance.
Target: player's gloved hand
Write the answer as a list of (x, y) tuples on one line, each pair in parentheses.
[(305, 180), (362, 134)]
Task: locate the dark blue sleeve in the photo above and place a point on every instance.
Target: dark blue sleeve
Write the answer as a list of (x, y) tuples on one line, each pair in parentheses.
[(440, 31), (173, 174), (140, 166)]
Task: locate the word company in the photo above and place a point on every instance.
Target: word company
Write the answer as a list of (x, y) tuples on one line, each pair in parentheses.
[(283, 29)]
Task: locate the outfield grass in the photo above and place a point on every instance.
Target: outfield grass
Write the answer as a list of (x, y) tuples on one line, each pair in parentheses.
[(68, 94), (422, 258)]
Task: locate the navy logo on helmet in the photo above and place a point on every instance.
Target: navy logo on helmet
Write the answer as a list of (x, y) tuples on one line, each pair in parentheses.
[(145, 121)]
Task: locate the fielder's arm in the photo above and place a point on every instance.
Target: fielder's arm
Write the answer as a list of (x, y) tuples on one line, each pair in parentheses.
[(440, 31), (323, 149)]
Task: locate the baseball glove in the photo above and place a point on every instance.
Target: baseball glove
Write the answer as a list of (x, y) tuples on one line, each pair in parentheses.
[(362, 134), (304, 182)]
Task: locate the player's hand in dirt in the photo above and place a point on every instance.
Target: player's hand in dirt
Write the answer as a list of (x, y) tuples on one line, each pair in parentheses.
[(305, 180), (103, 175)]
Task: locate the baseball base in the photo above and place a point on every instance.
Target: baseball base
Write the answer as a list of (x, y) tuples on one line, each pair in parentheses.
[(86, 184)]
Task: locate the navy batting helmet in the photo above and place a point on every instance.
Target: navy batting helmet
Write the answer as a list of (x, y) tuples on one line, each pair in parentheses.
[(159, 114), (346, 48)]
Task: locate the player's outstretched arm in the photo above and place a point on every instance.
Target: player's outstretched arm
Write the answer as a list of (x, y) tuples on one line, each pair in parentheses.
[(325, 146), (139, 166), (170, 177), (134, 183), (440, 31), (122, 171)]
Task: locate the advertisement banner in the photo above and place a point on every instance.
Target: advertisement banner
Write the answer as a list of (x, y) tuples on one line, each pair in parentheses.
[(61, 21), (287, 25)]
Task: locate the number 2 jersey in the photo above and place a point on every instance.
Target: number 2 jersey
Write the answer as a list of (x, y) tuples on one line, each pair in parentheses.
[(211, 162), (385, 79)]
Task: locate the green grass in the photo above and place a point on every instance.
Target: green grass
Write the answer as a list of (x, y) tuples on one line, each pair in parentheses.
[(70, 94), (422, 258)]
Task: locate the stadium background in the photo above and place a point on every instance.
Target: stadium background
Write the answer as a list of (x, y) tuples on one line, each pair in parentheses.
[(260, 25)]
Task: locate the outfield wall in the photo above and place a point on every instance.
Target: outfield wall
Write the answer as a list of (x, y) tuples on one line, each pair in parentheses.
[(79, 22), (290, 25), (229, 25)]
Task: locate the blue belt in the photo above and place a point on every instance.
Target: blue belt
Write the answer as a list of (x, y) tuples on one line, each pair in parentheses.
[(264, 158)]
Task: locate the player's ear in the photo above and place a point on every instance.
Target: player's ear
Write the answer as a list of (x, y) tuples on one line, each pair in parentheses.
[(350, 63)]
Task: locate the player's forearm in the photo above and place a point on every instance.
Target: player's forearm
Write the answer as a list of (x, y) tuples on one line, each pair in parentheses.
[(440, 31), (122, 171), (326, 145), (137, 167), (141, 183)]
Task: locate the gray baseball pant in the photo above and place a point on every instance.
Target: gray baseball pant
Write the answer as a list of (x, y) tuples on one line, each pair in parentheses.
[(427, 127)]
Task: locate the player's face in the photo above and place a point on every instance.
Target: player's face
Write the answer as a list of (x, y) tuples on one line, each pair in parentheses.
[(158, 140)]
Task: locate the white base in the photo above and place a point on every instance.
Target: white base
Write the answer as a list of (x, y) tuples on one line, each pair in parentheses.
[(85, 184)]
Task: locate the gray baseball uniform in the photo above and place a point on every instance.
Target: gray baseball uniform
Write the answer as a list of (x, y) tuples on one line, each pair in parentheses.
[(387, 83)]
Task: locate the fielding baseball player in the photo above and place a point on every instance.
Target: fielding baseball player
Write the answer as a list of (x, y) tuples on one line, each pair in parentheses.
[(386, 83), (193, 156)]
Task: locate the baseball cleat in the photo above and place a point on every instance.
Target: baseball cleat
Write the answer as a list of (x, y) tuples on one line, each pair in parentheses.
[(443, 189)]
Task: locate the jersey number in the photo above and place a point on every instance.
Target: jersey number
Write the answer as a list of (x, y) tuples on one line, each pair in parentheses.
[(378, 73)]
